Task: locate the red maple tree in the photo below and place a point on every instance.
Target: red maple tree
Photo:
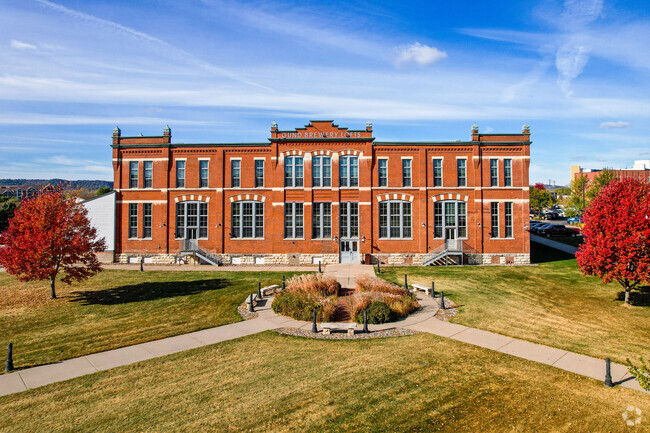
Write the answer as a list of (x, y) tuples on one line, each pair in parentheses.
[(50, 234), (617, 235)]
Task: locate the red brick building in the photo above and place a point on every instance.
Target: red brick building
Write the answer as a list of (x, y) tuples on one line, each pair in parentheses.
[(323, 193), (640, 171)]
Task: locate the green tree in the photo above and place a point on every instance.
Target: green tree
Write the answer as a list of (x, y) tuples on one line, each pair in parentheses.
[(603, 179), (103, 190), (578, 195), (7, 210), (539, 197)]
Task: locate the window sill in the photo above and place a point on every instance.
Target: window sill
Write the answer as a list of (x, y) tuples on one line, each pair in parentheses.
[(502, 239), (395, 239), (293, 239), (246, 239)]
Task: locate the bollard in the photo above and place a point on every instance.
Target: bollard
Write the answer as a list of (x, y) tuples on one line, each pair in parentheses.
[(259, 290), (250, 305), (283, 283), (319, 268), (442, 300), (314, 329), (608, 373), (406, 285), (433, 289), (142, 264), (10, 358), (365, 322), (378, 268)]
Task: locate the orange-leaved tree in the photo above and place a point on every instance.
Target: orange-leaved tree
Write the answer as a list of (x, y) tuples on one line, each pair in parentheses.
[(50, 234), (617, 235)]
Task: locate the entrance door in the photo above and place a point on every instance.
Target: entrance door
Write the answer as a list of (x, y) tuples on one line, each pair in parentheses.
[(349, 251), (190, 240), (450, 238)]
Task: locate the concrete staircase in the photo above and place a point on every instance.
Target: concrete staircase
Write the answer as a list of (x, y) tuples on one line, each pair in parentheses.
[(190, 247)]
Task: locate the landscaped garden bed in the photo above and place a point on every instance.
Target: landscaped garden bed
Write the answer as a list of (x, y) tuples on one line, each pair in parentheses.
[(382, 301)]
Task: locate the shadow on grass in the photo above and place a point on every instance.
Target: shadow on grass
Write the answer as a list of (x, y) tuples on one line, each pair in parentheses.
[(639, 298), (540, 253), (146, 292)]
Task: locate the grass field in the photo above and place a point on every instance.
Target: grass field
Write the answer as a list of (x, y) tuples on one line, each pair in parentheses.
[(117, 308), (275, 383), (551, 303)]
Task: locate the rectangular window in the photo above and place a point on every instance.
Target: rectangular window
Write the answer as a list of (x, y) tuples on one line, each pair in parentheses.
[(462, 171), (383, 172), (494, 217), (322, 171), (437, 219), (462, 219), (180, 220), (395, 219), (508, 210), (259, 173), (507, 172), (349, 171), (146, 220), (406, 172), (235, 173), (133, 220), (180, 174), (133, 174), (293, 221), (203, 220), (148, 174), (204, 170), (321, 222), (437, 172), (494, 172), (349, 220), (293, 171), (247, 219)]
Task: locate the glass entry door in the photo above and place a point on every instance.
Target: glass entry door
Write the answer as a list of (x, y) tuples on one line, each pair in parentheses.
[(349, 251)]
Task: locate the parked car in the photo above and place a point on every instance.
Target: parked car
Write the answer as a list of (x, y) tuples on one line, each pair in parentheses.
[(538, 229), (558, 230), (575, 220)]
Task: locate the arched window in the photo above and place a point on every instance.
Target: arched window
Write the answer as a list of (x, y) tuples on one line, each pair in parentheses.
[(191, 220), (450, 219), (394, 219), (247, 218)]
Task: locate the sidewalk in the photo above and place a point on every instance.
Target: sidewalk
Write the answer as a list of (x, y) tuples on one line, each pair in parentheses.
[(346, 273), (554, 244), (422, 321)]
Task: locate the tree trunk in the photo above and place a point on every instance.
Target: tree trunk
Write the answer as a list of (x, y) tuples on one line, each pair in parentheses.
[(52, 292), (627, 295)]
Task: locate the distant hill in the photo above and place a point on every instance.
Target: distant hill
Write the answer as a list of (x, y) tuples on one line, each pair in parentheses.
[(74, 184)]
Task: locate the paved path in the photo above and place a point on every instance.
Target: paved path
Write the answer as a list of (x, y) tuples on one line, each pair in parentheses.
[(422, 321), (554, 244), (346, 274)]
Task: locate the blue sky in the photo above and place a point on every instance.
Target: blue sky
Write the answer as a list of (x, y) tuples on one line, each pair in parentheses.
[(221, 71)]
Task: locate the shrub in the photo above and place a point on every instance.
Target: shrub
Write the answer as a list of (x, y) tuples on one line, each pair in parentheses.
[(300, 306), (378, 312), (642, 374), (315, 284), (368, 283)]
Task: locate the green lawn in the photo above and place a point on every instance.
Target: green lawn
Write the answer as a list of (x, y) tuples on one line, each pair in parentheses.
[(117, 308), (551, 303), (274, 383)]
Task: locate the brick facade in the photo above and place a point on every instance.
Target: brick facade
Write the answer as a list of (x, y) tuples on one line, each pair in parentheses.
[(324, 139)]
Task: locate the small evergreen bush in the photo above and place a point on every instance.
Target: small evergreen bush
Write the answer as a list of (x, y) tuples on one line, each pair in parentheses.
[(378, 312)]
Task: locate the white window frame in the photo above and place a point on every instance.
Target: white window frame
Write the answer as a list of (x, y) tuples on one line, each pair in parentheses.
[(200, 205), (321, 177), (385, 160), (493, 205), (443, 222), (507, 180), (290, 231), (207, 177), (497, 173), (135, 164), (294, 179), (347, 177), (255, 218), (410, 159), (347, 228), (133, 217), (183, 161), (150, 177), (401, 216), (263, 168), (458, 175), (232, 172), (508, 216), (433, 169), (318, 209)]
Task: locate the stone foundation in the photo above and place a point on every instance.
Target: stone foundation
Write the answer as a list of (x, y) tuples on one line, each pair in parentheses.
[(404, 259), (292, 259), (153, 259)]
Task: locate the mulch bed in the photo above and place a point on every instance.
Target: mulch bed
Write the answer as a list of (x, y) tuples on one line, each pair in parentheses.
[(396, 332), (450, 310), (244, 313)]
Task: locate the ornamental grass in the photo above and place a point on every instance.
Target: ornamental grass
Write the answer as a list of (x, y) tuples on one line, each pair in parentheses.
[(306, 293), (316, 284), (373, 289)]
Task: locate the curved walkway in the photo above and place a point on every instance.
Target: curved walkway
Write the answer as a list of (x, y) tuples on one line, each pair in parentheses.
[(423, 320)]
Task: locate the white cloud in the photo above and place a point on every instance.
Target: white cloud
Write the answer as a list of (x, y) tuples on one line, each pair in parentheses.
[(610, 125), (418, 53), (22, 45)]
